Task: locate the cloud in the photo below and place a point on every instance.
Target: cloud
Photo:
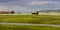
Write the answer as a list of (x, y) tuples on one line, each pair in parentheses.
[(6, 1), (33, 3), (29, 5)]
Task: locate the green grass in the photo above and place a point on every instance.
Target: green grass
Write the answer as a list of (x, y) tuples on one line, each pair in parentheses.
[(14, 27), (43, 19)]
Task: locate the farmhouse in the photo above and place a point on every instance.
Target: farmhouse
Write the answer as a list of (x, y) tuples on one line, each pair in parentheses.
[(35, 12)]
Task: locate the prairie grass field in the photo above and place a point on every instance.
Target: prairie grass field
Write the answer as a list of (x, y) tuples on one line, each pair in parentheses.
[(33, 19), (15, 27), (36, 19)]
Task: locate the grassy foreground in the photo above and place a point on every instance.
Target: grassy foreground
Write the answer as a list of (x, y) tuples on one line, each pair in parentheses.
[(14, 27), (44, 19)]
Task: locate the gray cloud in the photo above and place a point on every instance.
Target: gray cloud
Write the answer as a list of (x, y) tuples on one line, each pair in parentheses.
[(29, 5)]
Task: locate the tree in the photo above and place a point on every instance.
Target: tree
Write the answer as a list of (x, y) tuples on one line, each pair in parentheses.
[(12, 12)]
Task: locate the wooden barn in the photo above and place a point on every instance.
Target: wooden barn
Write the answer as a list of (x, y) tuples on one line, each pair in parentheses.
[(35, 12)]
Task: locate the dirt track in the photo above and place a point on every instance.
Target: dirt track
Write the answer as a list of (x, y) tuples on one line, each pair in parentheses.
[(26, 24)]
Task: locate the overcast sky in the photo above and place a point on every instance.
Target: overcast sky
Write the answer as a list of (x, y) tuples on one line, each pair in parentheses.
[(28, 5)]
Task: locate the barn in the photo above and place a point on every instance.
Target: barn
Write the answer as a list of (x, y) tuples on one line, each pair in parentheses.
[(35, 12)]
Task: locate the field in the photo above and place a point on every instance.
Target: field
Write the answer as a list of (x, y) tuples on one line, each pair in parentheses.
[(14, 27), (37, 19), (33, 19)]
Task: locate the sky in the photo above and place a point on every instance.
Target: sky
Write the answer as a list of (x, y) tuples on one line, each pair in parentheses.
[(28, 5)]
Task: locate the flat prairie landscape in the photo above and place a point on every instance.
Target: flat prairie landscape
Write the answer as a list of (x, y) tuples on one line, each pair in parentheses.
[(30, 19), (14, 27), (36, 19)]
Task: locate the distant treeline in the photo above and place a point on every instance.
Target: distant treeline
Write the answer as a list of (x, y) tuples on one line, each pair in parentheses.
[(47, 11), (7, 12)]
